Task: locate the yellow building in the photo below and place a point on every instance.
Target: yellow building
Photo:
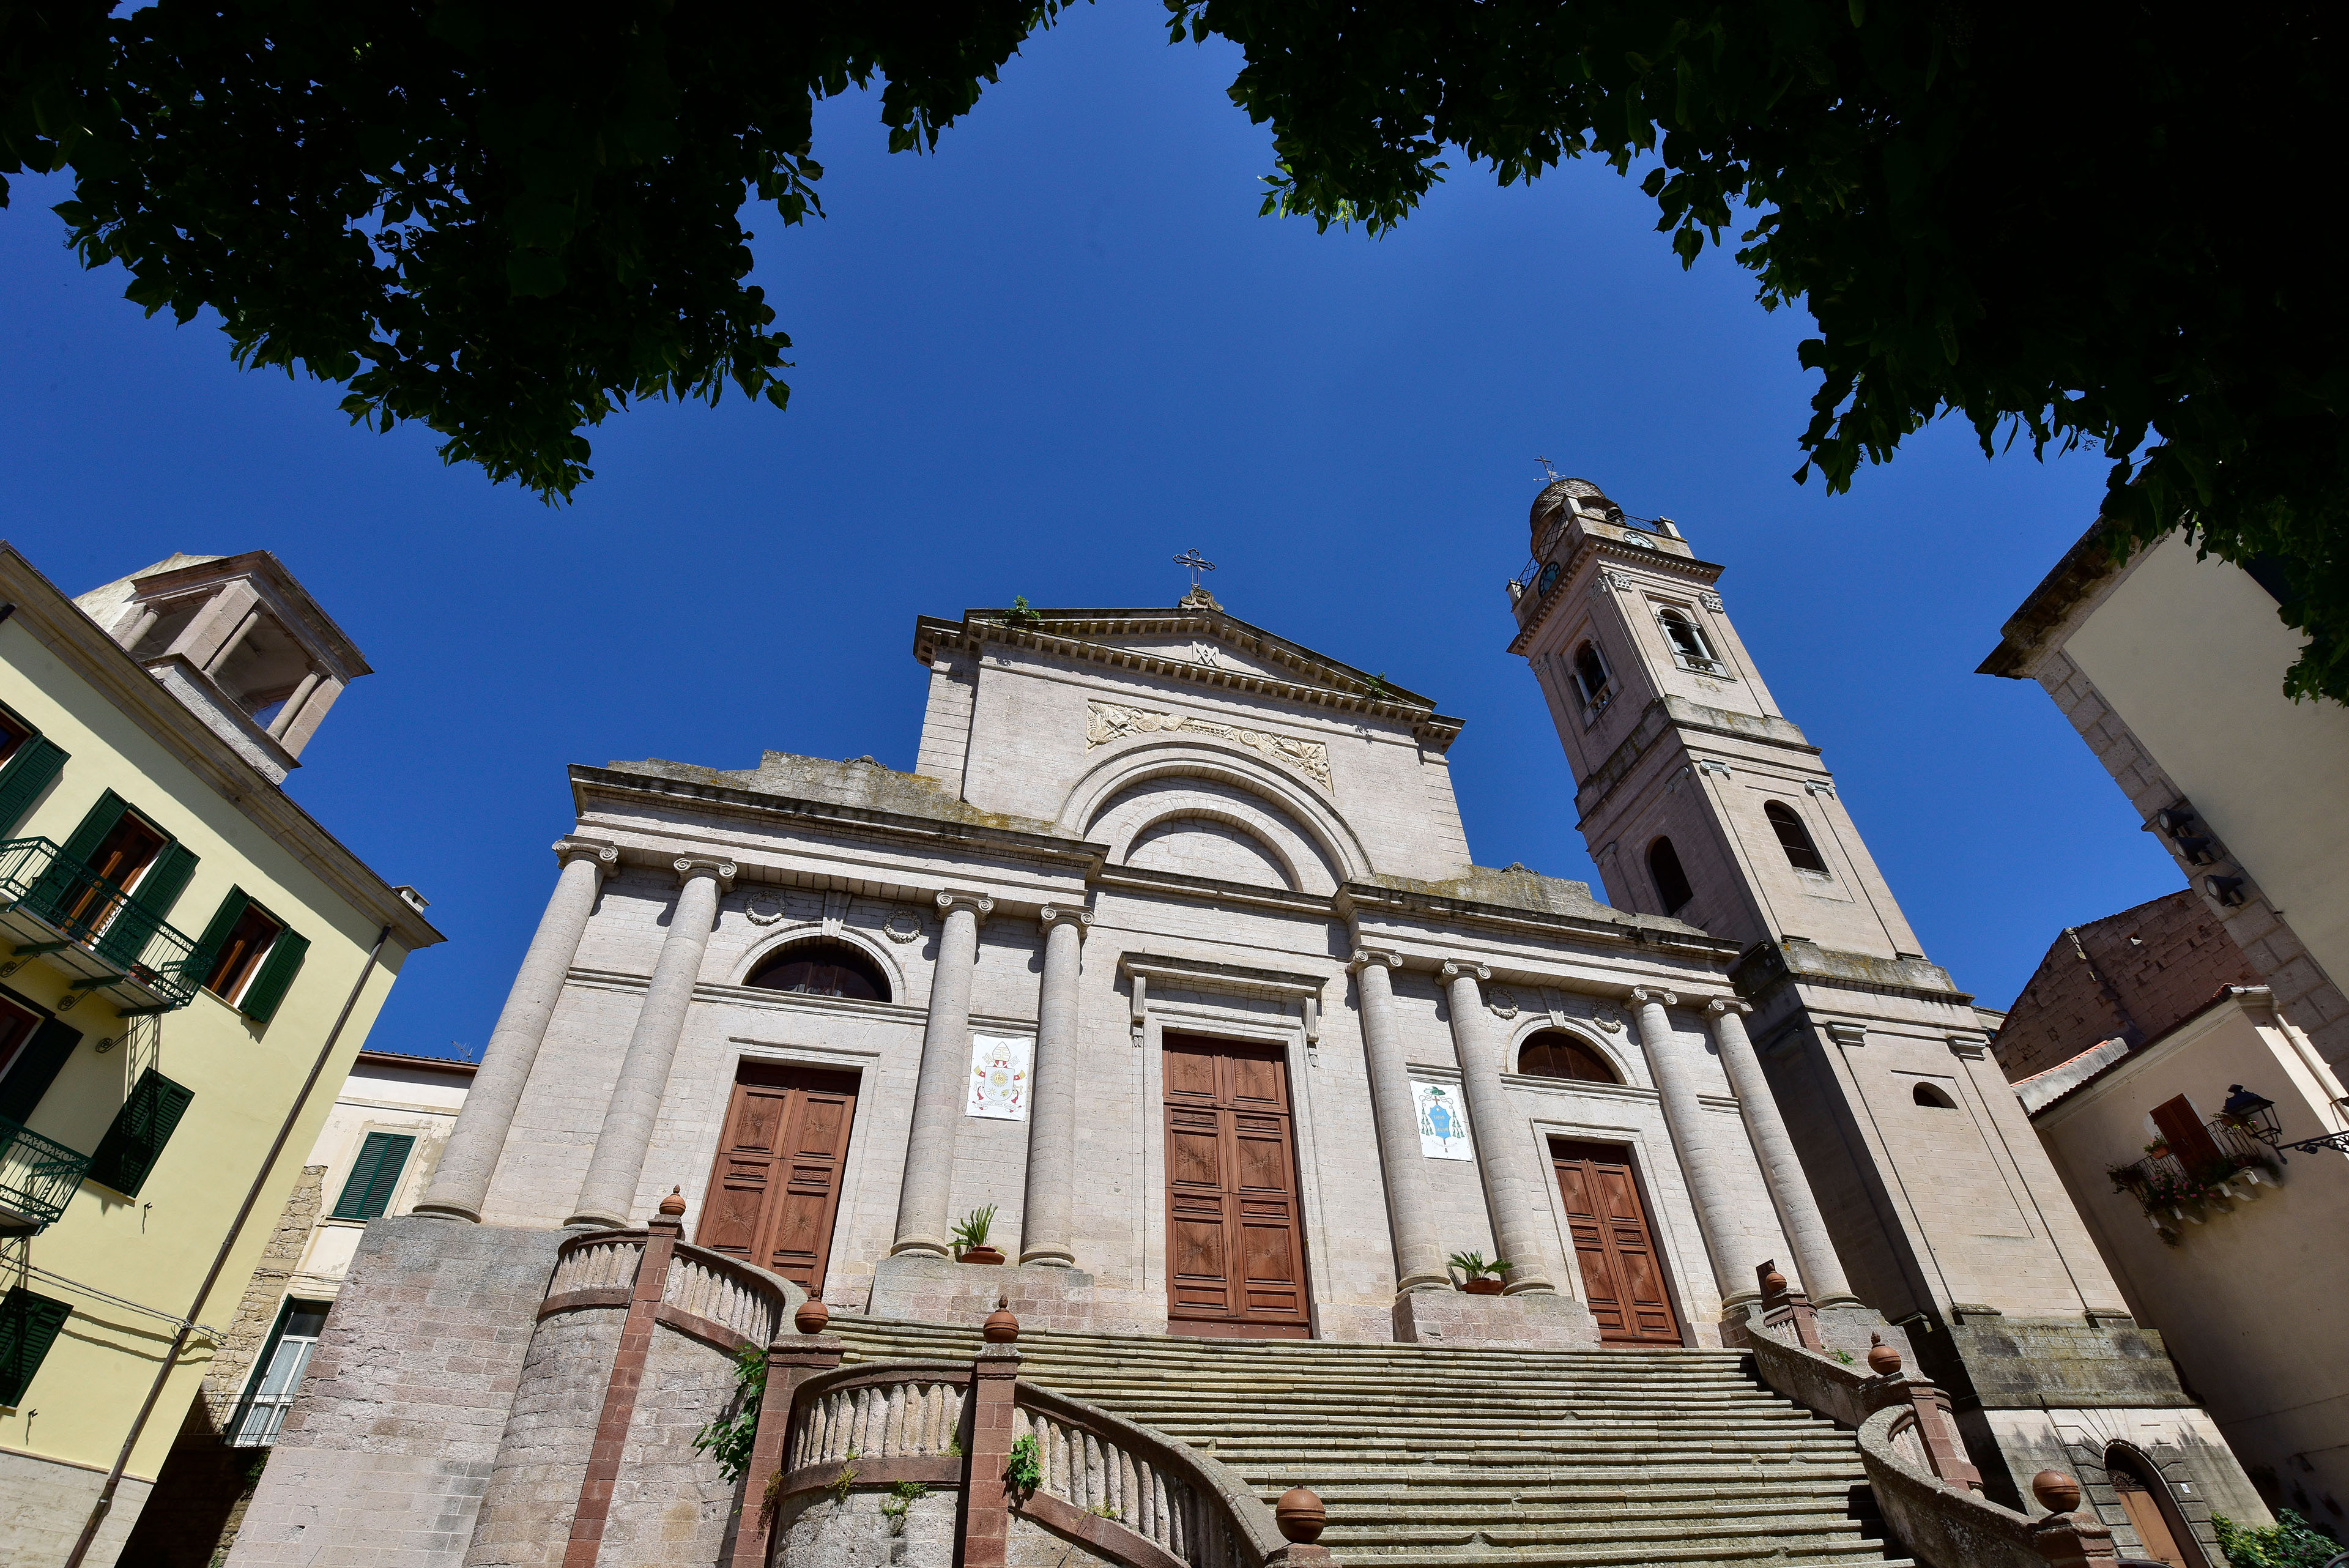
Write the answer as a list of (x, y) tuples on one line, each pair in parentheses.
[(196, 963)]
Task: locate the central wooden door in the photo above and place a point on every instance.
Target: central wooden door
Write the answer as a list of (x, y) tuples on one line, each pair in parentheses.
[(1234, 1250), (1620, 1279), (776, 1186)]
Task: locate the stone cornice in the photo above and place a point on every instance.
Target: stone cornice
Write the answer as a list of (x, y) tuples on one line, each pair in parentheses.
[(588, 781), (1355, 899), (1765, 966), (1313, 681), (1594, 546), (1205, 974), (83, 646)]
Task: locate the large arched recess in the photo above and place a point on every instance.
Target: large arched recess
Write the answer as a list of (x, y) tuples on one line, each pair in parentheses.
[(1197, 757), (1169, 800)]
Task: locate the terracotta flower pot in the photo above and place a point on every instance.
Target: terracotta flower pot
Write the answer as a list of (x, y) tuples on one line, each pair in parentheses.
[(981, 1255), (1485, 1286)]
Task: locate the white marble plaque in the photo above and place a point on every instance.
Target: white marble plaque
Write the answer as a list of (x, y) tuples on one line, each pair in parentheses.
[(1443, 1121), (1002, 1066)]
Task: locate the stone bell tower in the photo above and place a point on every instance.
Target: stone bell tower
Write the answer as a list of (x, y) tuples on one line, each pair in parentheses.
[(1700, 799)]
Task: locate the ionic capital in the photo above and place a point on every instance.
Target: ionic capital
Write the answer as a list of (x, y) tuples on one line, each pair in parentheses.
[(1643, 996), (604, 857), (688, 866), (1364, 957), (1051, 914), (1721, 1005), (979, 904), (1454, 968)]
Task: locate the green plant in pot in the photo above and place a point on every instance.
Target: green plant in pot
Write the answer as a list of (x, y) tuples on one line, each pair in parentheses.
[(970, 1237), (1479, 1278)]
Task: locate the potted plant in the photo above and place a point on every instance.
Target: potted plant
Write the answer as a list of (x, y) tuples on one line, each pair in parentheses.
[(971, 1235), (2158, 1148), (1480, 1278)]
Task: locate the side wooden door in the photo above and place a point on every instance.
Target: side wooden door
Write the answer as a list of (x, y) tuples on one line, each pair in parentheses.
[(776, 1186), (1234, 1249), (1614, 1245)]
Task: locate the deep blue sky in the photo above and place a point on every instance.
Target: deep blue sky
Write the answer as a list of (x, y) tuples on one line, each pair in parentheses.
[(1041, 361)]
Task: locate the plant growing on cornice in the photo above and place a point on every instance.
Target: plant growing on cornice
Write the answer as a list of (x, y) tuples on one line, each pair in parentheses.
[(728, 1439), (1375, 687), (971, 1229), (1021, 613)]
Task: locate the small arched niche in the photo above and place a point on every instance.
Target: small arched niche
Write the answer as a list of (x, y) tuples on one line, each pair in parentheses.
[(819, 966), (1935, 1098), (1555, 1053)]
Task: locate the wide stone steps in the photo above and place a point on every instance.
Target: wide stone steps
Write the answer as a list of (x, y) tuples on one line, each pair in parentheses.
[(1479, 1459)]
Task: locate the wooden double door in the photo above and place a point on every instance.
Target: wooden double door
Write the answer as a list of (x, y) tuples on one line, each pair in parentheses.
[(776, 1187), (1235, 1246), (1614, 1244)]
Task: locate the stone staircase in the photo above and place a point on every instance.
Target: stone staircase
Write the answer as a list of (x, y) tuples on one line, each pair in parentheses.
[(1491, 1458)]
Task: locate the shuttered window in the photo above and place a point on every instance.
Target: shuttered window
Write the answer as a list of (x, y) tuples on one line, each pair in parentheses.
[(141, 1127), (367, 1191), (28, 1327), (35, 1066), (249, 958), (27, 764)]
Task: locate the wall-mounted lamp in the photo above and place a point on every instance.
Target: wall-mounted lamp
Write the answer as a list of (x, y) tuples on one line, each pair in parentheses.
[(2197, 849), (2227, 890), (2174, 820), (2253, 1113)]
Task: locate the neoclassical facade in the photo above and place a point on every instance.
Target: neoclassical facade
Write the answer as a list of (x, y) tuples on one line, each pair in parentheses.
[(1165, 997)]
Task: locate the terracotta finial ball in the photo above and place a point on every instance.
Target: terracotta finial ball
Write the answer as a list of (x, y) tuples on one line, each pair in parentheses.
[(1300, 1516), (2056, 1492), (1882, 1359), (1774, 1282), (812, 1316), (1002, 1327)]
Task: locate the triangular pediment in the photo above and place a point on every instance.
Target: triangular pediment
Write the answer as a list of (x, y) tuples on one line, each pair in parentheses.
[(1197, 639)]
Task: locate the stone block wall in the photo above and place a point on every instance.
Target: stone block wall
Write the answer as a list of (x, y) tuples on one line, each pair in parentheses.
[(44, 1503), (526, 1509), (384, 1459)]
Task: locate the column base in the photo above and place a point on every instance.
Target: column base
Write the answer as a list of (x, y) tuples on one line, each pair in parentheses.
[(919, 1247), (1055, 1258), (1540, 1319), (1529, 1288), (1411, 1282), (585, 1222), (447, 1211)]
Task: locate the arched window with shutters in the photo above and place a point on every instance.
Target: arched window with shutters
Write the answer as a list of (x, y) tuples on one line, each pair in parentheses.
[(1793, 837), (1590, 674), (1555, 1053), (1690, 648), (1672, 890), (823, 969)]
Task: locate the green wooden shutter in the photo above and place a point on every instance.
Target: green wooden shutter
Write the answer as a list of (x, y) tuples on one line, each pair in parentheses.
[(373, 1180), (223, 922), (28, 773), (277, 972), (35, 1068), (64, 882), (141, 1127), (167, 878), (28, 1327)]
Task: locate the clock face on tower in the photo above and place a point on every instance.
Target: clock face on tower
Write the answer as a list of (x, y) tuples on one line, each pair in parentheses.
[(1641, 540)]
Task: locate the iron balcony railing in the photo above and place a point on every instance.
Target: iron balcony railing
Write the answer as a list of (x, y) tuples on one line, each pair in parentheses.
[(2170, 1190), (38, 1177), (51, 903)]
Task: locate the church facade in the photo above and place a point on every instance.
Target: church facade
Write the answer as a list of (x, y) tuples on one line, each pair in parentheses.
[(1167, 976)]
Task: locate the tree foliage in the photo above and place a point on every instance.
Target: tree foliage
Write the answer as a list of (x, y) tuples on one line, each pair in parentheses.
[(2094, 224)]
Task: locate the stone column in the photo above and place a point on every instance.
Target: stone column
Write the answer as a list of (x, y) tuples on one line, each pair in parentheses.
[(1790, 1189), (461, 1182), (1700, 1163), (945, 1079), (1503, 1158), (1046, 1223), (1419, 1257), (610, 1190)]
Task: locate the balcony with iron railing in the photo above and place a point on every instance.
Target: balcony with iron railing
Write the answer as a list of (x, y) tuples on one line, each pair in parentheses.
[(2173, 1190), (38, 1177), (53, 905)]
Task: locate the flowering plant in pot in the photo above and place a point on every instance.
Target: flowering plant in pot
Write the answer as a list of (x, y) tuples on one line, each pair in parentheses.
[(1479, 1277), (971, 1235)]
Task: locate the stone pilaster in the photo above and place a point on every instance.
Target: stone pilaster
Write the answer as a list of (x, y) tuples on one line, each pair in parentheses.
[(939, 1092), (1790, 1189), (1419, 1256), (461, 1182), (1700, 1161), (1046, 1230), (609, 1192), (1504, 1157)]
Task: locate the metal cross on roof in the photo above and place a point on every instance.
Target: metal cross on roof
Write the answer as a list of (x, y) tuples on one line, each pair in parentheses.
[(1554, 475), (1196, 562)]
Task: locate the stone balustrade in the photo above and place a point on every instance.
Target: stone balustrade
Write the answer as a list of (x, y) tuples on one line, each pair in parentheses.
[(880, 1413), (706, 1294), (1104, 1467)]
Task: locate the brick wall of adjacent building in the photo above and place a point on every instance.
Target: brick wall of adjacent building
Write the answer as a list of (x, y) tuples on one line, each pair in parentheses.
[(2134, 976)]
